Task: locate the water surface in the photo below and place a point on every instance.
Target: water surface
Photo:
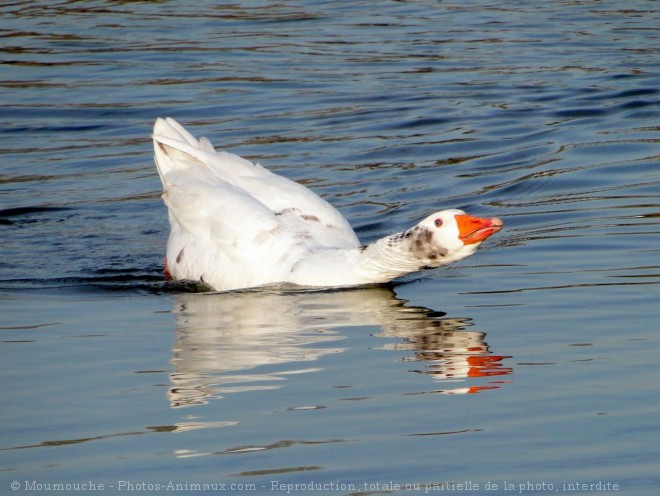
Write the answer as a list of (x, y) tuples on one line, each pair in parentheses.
[(534, 362)]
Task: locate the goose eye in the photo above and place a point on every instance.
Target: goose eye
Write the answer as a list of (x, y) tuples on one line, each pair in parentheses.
[(438, 222)]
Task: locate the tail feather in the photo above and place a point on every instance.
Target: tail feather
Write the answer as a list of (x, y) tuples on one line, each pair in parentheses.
[(170, 128), (175, 148)]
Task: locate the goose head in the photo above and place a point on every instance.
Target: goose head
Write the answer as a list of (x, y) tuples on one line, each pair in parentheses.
[(447, 236)]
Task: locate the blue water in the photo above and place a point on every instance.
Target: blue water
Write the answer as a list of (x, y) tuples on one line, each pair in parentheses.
[(530, 367)]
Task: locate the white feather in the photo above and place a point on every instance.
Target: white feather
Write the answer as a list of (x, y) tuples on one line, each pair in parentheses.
[(235, 224)]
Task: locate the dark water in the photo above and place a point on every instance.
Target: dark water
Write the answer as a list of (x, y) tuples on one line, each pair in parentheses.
[(532, 363)]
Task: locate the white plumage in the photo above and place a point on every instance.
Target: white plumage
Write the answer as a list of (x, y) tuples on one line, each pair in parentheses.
[(235, 224)]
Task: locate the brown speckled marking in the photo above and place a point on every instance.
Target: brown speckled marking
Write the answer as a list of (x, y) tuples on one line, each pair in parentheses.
[(421, 244), (308, 217), (397, 238), (180, 256), (286, 211)]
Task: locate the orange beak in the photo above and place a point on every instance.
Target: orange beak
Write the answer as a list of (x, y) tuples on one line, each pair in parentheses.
[(475, 229)]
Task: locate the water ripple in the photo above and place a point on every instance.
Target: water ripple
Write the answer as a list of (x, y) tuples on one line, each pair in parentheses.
[(543, 114)]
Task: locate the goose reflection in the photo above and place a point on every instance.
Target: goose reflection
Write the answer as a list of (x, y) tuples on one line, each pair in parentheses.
[(223, 340)]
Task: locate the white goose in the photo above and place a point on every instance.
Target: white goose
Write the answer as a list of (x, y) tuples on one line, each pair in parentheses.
[(234, 225)]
